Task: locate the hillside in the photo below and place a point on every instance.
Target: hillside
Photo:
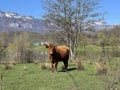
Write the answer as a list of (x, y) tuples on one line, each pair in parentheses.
[(12, 21), (31, 36)]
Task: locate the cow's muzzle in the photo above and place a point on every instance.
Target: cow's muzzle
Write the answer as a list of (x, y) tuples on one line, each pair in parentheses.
[(51, 53)]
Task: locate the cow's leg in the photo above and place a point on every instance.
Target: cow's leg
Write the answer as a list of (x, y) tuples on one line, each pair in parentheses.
[(65, 64), (56, 63), (52, 67)]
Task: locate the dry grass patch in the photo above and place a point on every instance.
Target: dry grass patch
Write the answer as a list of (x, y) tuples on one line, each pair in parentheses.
[(45, 66), (101, 68), (80, 65), (7, 65), (0, 76)]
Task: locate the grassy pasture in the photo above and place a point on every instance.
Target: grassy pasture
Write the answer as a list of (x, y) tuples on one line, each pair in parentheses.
[(32, 77)]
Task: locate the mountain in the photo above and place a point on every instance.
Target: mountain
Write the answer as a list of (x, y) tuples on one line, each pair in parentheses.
[(104, 26), (12, 21)]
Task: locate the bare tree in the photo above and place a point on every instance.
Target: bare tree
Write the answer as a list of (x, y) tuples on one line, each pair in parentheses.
[(20, 43), (71, 17), (102, 40), (114, 42)]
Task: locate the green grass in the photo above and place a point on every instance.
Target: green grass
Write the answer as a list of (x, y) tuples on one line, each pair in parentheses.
[(32, 77)]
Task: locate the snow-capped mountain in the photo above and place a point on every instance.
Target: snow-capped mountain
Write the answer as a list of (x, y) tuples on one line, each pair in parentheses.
[(102, 25), (12, 21)]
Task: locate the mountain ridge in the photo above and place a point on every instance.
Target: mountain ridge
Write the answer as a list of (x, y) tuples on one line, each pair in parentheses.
[(13, 21)]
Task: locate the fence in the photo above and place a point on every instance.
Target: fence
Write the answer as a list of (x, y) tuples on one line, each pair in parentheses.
[(29, 56), (26, 56)]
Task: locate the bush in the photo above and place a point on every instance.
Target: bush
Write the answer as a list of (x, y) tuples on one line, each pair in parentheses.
[(0, 80), (45, 66), (0, 77), (101, 68), (7, 65), (80, 65)]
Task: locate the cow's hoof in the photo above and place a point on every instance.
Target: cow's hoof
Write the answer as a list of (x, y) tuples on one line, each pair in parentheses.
[(65, 70)]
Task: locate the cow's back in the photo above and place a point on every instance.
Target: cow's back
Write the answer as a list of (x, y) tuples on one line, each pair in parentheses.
[(63, 51)]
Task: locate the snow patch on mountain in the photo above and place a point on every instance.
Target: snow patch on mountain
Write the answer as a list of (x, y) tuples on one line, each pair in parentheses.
[(13, 21)]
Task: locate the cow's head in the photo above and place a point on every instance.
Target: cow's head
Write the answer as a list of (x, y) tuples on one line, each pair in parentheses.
[(51, 48)]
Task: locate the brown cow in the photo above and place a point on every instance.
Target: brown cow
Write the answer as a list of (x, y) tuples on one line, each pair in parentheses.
[(56, 54)]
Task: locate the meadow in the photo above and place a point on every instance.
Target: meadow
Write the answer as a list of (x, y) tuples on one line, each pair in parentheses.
[(32, 77)]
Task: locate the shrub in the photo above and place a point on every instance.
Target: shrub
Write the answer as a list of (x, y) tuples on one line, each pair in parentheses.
[(25, 67), (45, 66), (0, 76), (7, 65), (80, 65), (14, 62), (101, 68), (0, 81)]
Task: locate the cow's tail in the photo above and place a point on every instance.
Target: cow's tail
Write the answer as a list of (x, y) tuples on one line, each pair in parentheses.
[(68, 51)]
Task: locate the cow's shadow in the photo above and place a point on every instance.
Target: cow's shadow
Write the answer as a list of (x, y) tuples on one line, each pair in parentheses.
[(69, 69)]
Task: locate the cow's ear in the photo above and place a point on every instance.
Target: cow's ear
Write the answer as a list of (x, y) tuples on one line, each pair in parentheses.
[(46, 46)]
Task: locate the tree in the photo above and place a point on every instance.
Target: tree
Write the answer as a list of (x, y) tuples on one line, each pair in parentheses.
[(102, 40), (20, 45), (84, 42), (114, 41), (71, 17)]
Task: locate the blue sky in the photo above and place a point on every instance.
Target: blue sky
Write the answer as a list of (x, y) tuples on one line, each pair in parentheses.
[(35, 8)]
